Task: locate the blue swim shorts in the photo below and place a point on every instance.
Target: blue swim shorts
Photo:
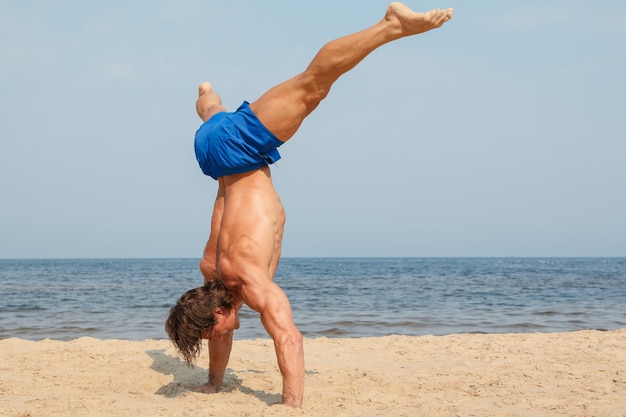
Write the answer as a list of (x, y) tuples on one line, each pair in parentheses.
[(234, 143)]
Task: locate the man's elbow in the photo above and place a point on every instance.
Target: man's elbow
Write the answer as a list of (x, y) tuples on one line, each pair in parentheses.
[(292, 338)]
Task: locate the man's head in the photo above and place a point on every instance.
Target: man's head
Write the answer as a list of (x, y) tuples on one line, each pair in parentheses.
[(208, 310)]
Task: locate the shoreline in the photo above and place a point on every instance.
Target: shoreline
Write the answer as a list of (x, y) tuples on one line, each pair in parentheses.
[(581, 373)]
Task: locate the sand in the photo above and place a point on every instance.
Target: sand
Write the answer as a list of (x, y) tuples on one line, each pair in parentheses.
[(580, 373)]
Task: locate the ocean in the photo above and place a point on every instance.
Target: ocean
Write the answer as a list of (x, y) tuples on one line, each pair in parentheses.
[(330, 297)]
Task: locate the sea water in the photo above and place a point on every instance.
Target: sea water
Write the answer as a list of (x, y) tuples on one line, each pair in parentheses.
[(331, 297)]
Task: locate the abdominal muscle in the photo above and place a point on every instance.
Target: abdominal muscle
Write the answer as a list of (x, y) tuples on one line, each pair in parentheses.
[(251, 231)]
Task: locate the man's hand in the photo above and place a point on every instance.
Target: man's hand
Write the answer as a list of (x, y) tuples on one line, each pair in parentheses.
[(205, 388)]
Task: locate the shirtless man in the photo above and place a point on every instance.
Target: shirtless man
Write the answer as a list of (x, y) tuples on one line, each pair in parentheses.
[(242, 253)]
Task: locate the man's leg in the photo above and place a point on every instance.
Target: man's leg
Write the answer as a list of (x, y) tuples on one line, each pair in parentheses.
[(209, 102), (283, 108)]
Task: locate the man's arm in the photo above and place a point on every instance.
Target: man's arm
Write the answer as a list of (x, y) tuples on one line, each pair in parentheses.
[(268, 299), (219, 353)]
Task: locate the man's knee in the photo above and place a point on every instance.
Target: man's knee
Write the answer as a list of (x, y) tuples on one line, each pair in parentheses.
[(316, 86)]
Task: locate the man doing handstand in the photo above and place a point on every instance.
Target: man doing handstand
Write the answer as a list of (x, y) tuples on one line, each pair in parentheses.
[(242, 253)]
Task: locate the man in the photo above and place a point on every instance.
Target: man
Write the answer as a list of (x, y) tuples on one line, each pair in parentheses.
[(244, 245)]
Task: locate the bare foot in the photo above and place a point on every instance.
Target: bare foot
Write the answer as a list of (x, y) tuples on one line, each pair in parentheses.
[(204, 87), (205, 388), (412, 23), (209, 102)]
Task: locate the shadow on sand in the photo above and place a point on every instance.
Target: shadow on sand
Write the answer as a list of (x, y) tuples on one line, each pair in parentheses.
[(185, 378)]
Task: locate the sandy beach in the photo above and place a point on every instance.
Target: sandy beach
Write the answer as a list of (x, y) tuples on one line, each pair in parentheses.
[(580, 373)]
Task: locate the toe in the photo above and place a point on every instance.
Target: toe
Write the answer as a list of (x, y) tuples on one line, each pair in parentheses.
[(204, 87)]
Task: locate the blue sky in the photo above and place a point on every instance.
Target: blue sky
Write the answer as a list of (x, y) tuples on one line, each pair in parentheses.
[(501, 134)]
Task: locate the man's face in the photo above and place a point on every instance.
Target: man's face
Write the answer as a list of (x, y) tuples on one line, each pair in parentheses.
[(227, 321)]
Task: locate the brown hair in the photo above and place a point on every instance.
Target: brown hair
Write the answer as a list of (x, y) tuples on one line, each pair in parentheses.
[(193, 314)]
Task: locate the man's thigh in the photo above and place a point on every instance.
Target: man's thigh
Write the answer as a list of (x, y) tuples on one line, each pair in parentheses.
[(283, 108)]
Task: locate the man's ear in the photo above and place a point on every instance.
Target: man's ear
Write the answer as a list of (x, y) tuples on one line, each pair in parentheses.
[(217, 311)]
